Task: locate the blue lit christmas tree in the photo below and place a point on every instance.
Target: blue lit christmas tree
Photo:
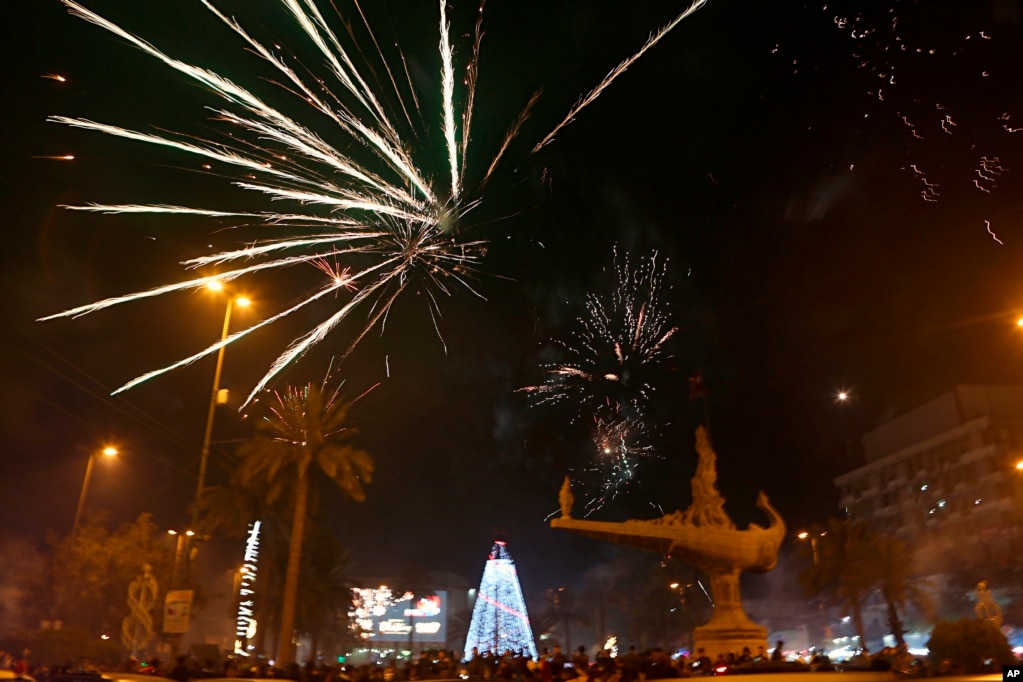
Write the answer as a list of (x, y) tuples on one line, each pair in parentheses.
[(499, 619)]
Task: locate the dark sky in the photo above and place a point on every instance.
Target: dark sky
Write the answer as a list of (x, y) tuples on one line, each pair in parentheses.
[(837, 205)]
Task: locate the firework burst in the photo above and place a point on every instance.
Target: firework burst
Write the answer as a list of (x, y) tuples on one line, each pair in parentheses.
[(619, 340), (613, 466), (381, 208)]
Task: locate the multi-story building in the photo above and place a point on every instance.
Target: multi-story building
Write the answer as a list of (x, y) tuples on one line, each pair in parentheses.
[(944, 478)]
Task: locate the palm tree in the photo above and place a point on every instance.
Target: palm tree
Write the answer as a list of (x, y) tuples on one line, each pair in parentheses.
[(305, 432), (840, 569), (560, 610), (604, 592), (895, 577), (325, 596)]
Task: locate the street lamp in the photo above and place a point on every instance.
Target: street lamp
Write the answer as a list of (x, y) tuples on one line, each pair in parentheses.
[(204, 457), (108, 451), (179, 551), (813, 543)]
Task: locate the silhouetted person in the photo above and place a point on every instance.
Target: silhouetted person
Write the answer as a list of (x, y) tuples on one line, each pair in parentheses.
[(181, 672)]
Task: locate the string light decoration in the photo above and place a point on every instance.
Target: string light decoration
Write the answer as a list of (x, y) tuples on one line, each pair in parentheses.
[(499, 619)]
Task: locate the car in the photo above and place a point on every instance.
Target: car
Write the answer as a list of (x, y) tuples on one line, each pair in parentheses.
[(130, 677), (11, 675), (85, 676)]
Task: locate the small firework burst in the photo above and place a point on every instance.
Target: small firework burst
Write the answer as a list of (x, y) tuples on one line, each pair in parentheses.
[(619, 447), (618, 342)]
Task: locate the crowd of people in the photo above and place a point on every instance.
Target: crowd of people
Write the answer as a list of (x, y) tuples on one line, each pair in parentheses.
[(552, 665), (555, 666)]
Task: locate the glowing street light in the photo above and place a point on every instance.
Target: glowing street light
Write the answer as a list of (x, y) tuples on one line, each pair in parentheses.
[(179, 551), (108, 451), (232, 301), (813, 543)]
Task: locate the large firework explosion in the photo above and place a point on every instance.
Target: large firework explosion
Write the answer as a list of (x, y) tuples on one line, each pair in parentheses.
[(364, 213)]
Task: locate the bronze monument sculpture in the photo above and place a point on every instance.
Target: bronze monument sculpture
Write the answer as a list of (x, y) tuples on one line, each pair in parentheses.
[(704, 536), (987, 608)]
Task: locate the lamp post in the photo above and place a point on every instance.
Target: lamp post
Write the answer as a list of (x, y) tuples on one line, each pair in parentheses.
[(813, 543), (178, 600), (179, 551), (108, 451), (204, 457)]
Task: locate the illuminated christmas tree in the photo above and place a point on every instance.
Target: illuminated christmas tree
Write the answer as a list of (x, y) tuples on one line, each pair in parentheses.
[(499, 619)]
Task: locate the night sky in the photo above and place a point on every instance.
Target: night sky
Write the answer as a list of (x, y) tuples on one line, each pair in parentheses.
[(837, 207)]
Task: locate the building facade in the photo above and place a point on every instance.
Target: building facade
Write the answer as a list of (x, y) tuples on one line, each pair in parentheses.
[(944, 478)]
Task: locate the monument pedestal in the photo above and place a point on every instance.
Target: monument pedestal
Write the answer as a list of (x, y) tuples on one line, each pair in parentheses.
[(729, 630)]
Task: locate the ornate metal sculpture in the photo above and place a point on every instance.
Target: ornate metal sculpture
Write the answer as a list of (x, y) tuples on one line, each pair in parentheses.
[(704, 536), (137, 626)]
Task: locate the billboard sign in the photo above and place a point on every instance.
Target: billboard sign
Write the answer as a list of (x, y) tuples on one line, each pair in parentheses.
[(382, 615), (177, 609)]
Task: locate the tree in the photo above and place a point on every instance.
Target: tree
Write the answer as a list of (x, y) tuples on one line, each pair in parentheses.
[(91, 571), (892, 569), (560, 609), (840, 570), (604, 592), (230, 509), (305, 432), (23, 585), (968, 645), (666, 601), (52, 648), (325, 593)]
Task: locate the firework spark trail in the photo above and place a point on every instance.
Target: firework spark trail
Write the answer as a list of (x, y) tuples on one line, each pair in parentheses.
[(315, 30), (617, 71), (353, 82), (619, 340), (471, 76), (288, 130), (448, 85), (394, 214), (513, 131), (113, 209), (387, 66), (202, 282), (338, 285), (930, 191), (987, 225), (892, 46)]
